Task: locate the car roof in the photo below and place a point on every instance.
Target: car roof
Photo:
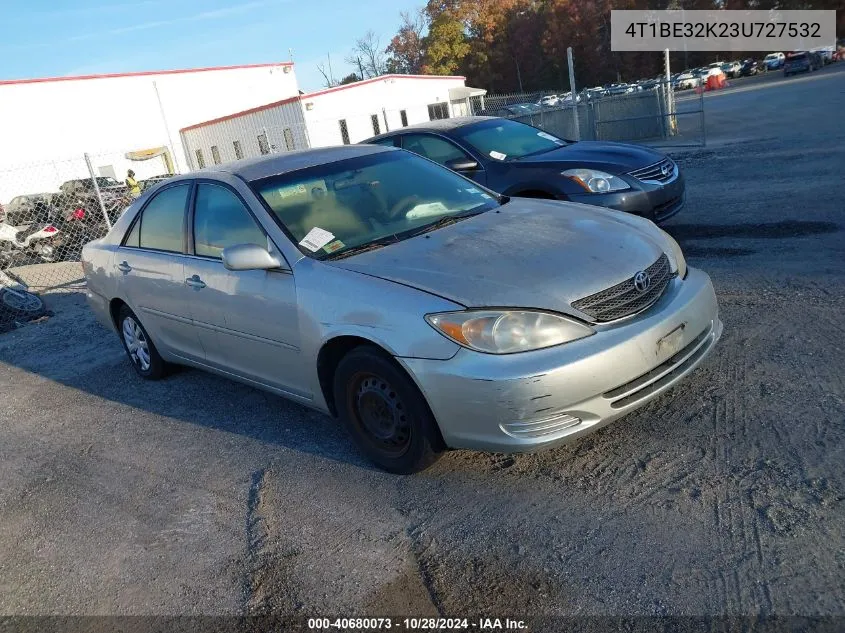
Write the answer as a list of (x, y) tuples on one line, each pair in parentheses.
[(438, 125), (275, 164)]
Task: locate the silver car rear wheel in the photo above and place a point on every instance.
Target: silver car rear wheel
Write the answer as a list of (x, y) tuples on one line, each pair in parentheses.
[(136, 343)]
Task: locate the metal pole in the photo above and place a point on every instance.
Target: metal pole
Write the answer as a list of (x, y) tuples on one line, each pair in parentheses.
[(97, 189), (703, 125), (518, 74), (573, 92), (167, 130)]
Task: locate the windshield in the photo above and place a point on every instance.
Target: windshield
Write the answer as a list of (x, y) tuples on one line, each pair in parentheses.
[(502, 139), (771, 56), (384, 197)]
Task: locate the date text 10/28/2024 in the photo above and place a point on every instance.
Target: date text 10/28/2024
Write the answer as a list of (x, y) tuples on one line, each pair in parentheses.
[(417, 624)]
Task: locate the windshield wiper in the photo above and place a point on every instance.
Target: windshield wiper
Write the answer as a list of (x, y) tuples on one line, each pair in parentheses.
[(363, 248), (444, 221)]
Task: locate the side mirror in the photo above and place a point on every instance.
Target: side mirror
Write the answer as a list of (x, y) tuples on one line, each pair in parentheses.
[(249, 257), (461, 164)]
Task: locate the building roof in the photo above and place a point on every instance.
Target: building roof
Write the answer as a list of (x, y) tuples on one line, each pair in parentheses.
[(306, 96), (178, 71), (275, 164)]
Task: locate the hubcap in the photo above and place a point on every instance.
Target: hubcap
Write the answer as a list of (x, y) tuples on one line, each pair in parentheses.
[(381, 414), (136, 343)]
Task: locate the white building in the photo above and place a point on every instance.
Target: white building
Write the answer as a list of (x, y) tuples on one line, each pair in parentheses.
[(47, 125), (343, 114)]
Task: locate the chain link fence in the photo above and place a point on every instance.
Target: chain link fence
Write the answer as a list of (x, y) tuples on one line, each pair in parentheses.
[(49, 211), (647, 112)]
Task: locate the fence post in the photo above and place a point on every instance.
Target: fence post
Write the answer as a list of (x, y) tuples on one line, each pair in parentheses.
[(97, 190), (573, 93)]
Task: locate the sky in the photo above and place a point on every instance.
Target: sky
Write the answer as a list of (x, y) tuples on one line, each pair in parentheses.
[(51, 38)]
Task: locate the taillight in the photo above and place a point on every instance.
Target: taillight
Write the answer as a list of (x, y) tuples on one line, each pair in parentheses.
[(78, 214), (50, 229)]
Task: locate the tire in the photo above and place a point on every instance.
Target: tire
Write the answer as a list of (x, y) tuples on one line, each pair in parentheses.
[(385, 413), (21, 303), (139, 346)]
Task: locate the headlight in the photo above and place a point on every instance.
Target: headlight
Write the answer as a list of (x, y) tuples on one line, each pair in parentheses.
[(676, 255), (596, 181), (507, 331)]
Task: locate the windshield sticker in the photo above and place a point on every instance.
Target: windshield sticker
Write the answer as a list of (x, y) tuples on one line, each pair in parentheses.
[(331, 247), (498, 155), (426, 210), (287, 192), (549, 137), (316, 239)]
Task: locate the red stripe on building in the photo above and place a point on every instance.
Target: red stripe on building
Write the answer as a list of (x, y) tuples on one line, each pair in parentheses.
[(305, 97), (235, 115), (6, 82)]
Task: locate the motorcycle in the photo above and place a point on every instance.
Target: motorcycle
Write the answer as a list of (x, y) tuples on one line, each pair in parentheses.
[(37, 241)]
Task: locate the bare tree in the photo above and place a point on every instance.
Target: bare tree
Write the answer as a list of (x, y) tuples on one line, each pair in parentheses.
[(328, 80), (368, 56)]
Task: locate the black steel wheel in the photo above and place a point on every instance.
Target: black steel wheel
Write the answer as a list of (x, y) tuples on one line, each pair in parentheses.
[(385, 413)]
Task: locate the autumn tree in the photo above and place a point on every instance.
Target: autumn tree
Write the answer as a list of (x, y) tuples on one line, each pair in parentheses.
[(406, 50)]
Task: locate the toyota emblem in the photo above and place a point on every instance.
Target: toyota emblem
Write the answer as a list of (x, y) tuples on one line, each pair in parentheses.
[(666, 169), (642, 281)]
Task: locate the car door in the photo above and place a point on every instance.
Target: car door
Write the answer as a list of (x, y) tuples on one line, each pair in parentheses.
[(247, 320), (443, 151), (150, 268)]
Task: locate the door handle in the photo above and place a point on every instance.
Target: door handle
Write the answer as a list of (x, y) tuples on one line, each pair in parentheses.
[(124, 267), (195, 282)]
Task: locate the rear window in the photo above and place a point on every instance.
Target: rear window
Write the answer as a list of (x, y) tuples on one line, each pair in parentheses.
[(796, 56)]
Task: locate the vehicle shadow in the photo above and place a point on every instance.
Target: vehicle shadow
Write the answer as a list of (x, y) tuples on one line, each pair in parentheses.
[(688, 234), (72, 349)]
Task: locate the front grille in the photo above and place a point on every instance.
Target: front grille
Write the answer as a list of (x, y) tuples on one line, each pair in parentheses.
[(654, 173), (624, 299)]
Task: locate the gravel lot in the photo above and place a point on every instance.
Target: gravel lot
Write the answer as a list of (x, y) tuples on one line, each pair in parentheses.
[(725, 496)]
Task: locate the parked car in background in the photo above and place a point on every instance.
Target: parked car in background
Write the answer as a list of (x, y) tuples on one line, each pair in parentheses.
[(800, 62), (548, 100), (732, 69), (567, 99), (774, 61), (515, 159), (152, 181), (29, 209), (826, 53), (748, 68), (378, 287), (688, 80), (614, 90)]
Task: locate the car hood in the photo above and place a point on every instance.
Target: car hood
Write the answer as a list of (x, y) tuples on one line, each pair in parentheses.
[(618, 158), (531, 254)]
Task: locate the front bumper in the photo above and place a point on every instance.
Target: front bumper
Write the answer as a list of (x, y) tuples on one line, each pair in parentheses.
[(533, 400), (655, 202)]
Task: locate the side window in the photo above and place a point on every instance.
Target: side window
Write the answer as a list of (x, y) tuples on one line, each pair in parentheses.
[(221, 220), (134, 237), (433, 147), (162, 220)]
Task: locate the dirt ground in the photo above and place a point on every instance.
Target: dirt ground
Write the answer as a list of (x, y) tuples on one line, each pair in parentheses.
[(723, 497)]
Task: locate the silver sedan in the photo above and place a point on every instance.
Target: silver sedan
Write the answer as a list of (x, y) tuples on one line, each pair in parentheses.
[(422, 310)]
